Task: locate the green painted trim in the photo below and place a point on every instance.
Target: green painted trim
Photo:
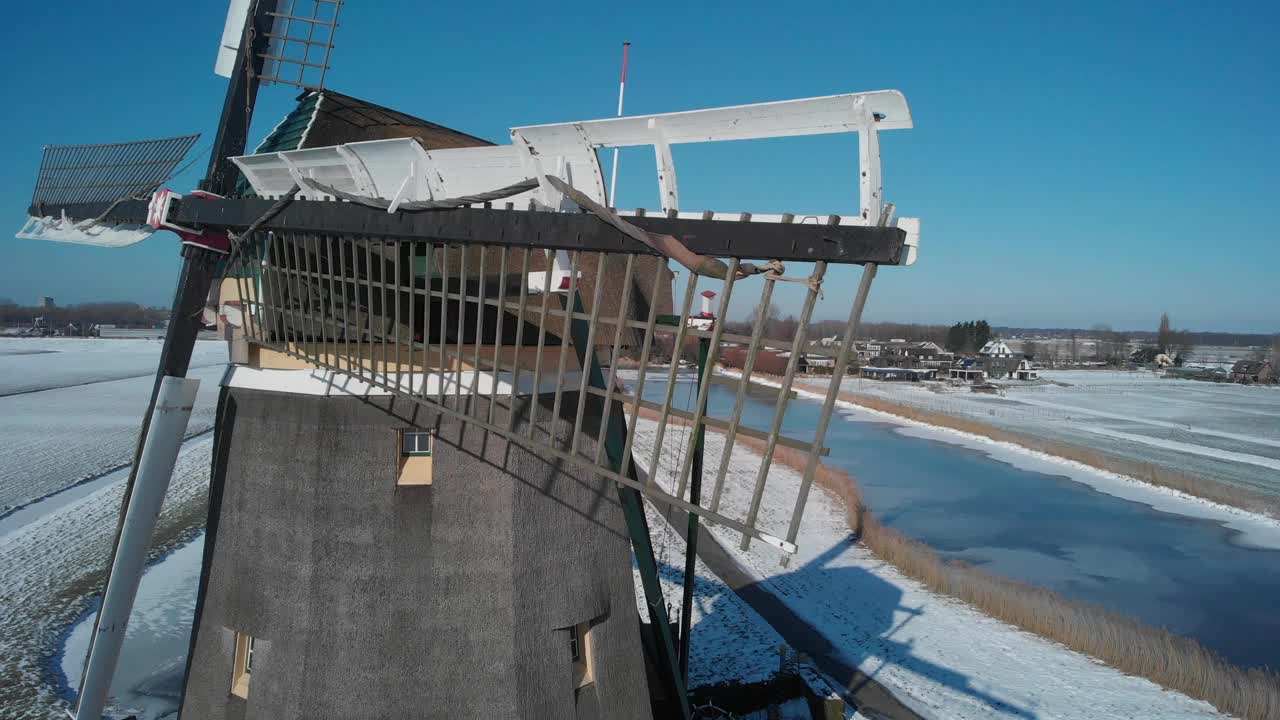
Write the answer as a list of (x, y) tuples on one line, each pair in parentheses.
[(668, 665)]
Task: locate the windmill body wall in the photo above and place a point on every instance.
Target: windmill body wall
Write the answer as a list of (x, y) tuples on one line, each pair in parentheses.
[(372, 600)]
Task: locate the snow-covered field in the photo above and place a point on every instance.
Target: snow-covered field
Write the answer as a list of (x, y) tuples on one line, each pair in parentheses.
[(938, 655), (31, 364), (1224, 433), (70, 411)]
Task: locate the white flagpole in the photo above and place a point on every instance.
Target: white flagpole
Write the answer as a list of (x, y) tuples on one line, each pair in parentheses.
[(622, 89)]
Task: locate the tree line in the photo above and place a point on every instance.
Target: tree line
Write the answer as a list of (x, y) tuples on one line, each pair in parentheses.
[(968, 337), (83, 316)]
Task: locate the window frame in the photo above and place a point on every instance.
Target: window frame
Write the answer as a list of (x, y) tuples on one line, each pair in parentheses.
[(417, 436), (581, 654), (242, 664)]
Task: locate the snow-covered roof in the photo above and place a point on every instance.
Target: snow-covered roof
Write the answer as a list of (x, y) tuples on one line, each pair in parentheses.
[(995, 348)]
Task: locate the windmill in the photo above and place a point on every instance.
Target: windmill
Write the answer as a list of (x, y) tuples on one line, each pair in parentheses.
[(427, 460)]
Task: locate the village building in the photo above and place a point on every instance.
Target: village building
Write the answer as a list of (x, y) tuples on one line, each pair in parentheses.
[(904, 354), (969, 370), (998, 360), (868, 351), (1025, 370), (1250, 372), (898, 373)]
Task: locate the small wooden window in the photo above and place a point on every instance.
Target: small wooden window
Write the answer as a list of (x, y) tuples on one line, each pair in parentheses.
[(242, 665), (416, 443), (580, 654), (415, 448)]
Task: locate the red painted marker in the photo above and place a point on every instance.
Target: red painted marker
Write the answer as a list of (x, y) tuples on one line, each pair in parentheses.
[(622, 90)]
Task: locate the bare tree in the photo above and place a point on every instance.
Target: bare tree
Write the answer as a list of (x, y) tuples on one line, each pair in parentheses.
[(771, 322), (1164, 337), (1030, 349), (1101, 343), (785, 329), (1179, 344)]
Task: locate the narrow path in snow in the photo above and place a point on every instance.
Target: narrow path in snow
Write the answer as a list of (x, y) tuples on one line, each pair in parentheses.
[(1188, 448), (95, 381), (1148, 421)]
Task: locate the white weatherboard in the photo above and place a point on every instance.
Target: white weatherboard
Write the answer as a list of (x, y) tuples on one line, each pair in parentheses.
[(402, 169), (232, 31)]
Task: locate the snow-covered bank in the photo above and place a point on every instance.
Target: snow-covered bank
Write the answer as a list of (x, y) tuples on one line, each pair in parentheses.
[(1255, 530), (730, 642), (938, 655)]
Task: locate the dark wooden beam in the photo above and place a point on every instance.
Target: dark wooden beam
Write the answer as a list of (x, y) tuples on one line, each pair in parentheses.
[(845, 244)]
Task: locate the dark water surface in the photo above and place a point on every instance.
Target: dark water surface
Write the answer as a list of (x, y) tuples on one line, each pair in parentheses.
[(1190, 575)]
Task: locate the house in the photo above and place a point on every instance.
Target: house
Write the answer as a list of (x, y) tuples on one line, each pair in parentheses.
[(897, 373), (1025, 370), (818, 363), (968, 369), (1197, 372), (868, 351), (904, 354), (893, 360), (939, 360), (998, 360), (996, 348), (1253, 371)]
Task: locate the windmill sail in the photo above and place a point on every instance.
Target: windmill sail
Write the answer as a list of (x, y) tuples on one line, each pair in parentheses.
[(78, 185), (299, 38)]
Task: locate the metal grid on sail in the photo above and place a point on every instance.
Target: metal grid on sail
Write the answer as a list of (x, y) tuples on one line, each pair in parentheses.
[(299, 42), (411, 317), (72, 174)]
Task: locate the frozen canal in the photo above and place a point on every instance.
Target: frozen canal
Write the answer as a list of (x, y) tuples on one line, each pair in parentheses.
[(1229, 434), (149, 679), (1192, 575)]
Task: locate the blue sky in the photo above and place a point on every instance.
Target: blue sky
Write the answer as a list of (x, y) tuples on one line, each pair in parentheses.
[(1073, 163)]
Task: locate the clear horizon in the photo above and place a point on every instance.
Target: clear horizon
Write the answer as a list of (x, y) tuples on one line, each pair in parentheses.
[(1072, 166)]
